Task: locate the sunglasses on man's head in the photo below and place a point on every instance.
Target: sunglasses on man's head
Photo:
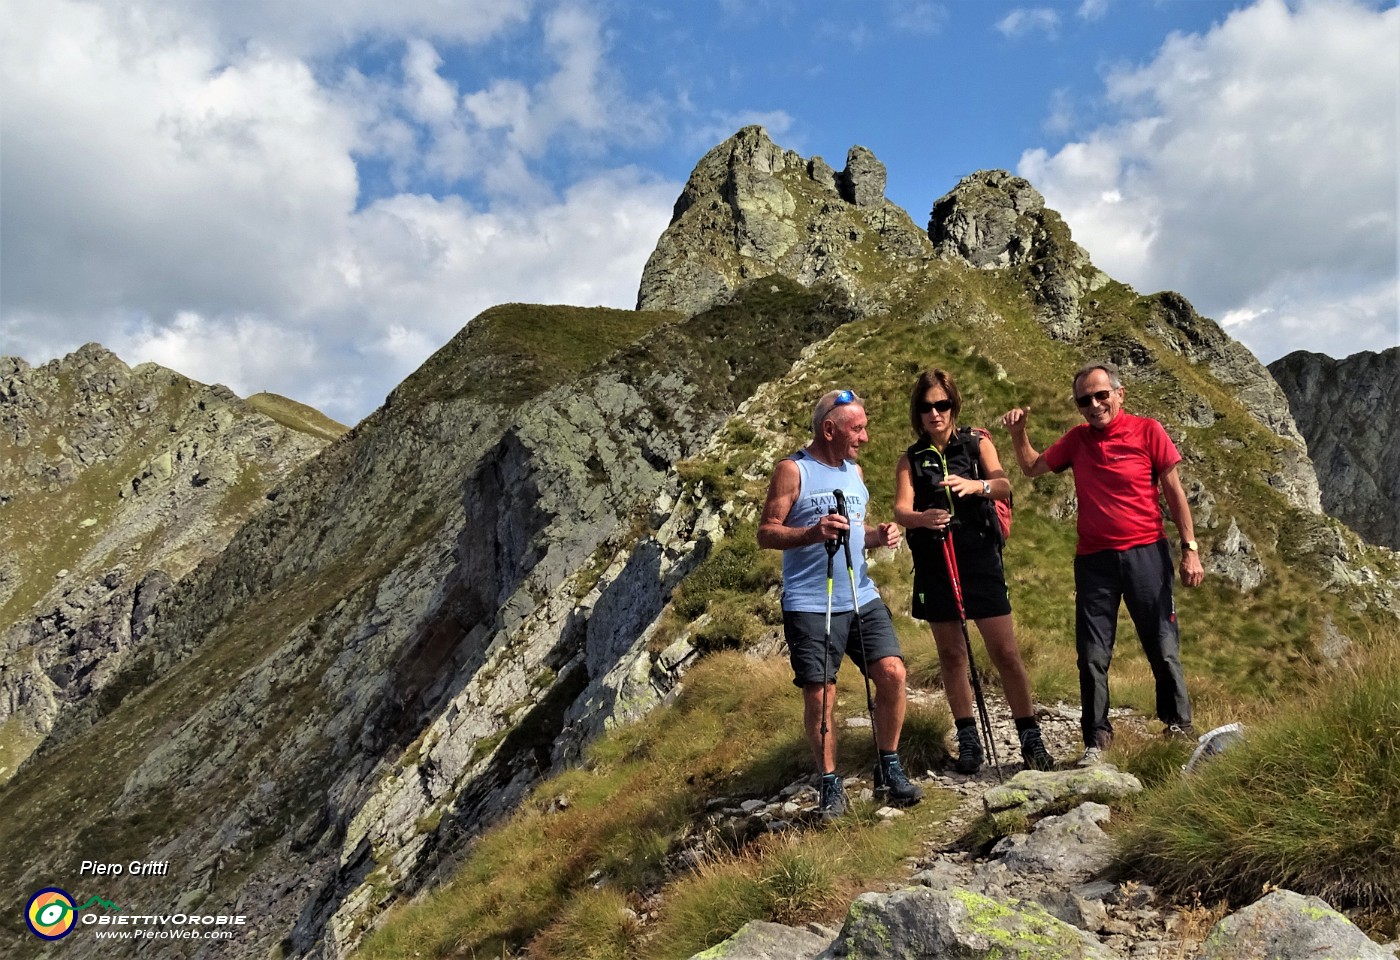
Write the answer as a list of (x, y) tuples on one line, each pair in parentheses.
[(942, 406), (843, 398), (1084, 399)]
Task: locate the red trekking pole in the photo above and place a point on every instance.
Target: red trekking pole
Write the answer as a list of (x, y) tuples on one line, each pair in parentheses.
[(952, 559)]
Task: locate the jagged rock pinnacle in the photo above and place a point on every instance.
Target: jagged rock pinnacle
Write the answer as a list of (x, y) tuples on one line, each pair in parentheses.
[(751, 208)]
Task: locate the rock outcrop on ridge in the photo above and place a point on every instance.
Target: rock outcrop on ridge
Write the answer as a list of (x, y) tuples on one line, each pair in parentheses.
[(751, 208), (1346, 410), (444, 606)]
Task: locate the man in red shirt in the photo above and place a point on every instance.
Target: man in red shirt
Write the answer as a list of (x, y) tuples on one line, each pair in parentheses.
[(1119, 461)]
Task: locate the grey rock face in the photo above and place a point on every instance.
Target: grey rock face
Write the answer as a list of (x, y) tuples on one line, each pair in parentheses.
[(1284, 925), (1235, 558), (751, 209), (1200, 340), (1347, 411), (863, 180)]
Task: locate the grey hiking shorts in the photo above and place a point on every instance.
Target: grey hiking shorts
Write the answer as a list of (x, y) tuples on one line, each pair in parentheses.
[(804, 633)]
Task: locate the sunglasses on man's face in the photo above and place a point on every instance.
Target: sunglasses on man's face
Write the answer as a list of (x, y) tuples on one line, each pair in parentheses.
[(1101, 396), (925, 406)]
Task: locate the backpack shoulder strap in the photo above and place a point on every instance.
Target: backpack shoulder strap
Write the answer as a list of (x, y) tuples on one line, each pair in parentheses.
[(974, 435)]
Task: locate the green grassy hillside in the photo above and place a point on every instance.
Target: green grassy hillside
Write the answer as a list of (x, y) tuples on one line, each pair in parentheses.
[(571, 880)]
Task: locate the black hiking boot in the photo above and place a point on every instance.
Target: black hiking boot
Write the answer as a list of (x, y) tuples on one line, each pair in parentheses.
[(833, 802), (1033, 750), (893, 786), (970, 754)]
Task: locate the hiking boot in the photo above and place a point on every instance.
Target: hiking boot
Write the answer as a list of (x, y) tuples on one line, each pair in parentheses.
[(833, 802), (1033, 750), (1180, 731), (893, 786), (1092, 757), (970, 754)]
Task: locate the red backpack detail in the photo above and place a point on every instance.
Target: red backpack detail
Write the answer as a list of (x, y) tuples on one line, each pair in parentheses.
[(1003, 507)]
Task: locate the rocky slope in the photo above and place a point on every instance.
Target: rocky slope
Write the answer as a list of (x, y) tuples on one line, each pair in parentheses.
[(1346, 410), (441, 608), (114, 484)]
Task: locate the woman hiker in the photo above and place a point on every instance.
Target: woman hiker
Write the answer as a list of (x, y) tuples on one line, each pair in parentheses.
[(944, 486)]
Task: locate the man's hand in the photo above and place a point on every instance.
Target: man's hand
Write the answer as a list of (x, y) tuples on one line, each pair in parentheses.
[(1015, 420), (1192, 571), (886, 535), (829, 527)]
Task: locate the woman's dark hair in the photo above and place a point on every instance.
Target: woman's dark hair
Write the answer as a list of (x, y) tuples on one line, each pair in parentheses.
[(927, 379)]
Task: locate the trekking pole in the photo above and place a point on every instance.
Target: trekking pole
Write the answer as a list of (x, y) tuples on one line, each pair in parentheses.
[(831, 547), (952, 558), (860, 635)]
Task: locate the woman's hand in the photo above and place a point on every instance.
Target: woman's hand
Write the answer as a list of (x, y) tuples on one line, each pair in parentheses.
[(935, 519), (963, 486)]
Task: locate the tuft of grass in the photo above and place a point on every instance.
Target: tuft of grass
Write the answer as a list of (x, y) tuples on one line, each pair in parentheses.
[(596, 924), (793, 878), (1311, 801)]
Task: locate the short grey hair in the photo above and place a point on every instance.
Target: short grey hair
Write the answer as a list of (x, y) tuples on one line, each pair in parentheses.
[(822, 411), (1114, 379)]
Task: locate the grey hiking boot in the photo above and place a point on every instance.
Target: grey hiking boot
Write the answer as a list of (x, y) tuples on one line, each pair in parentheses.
[(833, 802), (892, 785), (1094, 753), (1180, 731), (1033, 751), (970, 754)]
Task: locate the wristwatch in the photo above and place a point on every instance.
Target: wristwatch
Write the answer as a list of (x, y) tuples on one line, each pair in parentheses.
[(986, 488), (1189, 545)]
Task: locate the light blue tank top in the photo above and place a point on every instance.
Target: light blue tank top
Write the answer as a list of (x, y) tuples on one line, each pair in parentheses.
[(804, 568)]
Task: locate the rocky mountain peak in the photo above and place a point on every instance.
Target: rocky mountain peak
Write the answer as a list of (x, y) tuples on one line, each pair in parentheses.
[(993, 220), (751, 209)]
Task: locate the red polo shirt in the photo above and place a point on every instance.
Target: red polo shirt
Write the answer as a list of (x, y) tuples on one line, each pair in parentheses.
[(1115, 477)]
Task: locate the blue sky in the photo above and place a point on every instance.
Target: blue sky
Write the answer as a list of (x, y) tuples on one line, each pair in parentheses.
[(312, 197)]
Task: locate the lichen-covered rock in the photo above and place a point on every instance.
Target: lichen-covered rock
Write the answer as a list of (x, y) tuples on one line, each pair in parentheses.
[(1031, 791), (924, 924), (760, 940), (1284, 925)]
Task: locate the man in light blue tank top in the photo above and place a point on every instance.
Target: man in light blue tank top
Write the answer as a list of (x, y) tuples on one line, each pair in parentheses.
[(800, 518)]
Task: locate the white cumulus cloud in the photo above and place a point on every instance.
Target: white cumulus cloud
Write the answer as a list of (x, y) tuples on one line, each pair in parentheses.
[(188, 196), (1255, 166)]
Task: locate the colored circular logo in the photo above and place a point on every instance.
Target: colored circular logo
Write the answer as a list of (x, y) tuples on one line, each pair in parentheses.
[(50, 914)]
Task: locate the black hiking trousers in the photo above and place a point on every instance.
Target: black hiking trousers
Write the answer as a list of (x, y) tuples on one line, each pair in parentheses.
[(1142, 578)]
